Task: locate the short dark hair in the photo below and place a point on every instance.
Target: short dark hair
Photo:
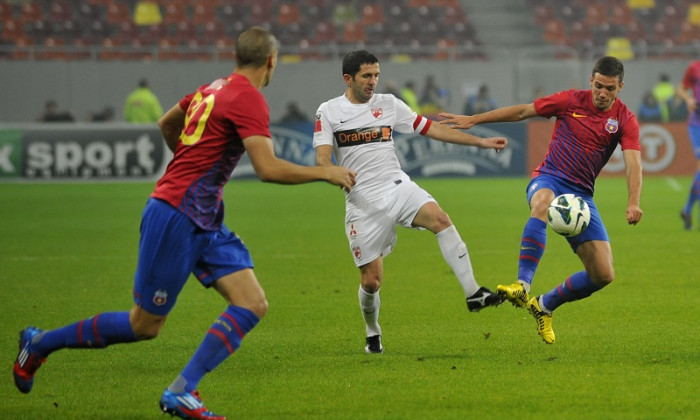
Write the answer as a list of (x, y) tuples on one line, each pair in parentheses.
[(355, 59), (254, 46), (610, 67)]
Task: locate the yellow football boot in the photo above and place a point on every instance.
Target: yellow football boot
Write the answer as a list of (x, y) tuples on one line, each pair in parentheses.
[(544, 320)]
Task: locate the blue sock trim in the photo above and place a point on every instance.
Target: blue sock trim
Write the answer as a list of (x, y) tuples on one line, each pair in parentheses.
[(222, 339), (693, 194), (576, 287), (532, 246), (99, 331)]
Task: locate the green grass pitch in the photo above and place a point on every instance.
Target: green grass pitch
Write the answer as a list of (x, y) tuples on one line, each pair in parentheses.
[(631, 351)]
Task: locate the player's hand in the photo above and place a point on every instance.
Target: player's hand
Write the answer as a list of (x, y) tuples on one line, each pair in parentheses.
[(498, 143), (341, 176), (634, 214), (457, 121)]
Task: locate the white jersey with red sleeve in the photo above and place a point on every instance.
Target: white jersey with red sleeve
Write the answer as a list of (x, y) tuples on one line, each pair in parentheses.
[(362, 140)]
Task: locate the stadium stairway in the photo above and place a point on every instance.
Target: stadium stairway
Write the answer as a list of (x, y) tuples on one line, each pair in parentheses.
[(503, 22)]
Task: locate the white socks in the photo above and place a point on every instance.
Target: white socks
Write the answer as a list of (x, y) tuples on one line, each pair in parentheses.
[(369, 303), (454, 250)]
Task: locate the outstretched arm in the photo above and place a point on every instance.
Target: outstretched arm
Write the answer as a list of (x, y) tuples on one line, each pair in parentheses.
[(270, 168), (448, 135), (324, 155), (633, 171), (505, 114)]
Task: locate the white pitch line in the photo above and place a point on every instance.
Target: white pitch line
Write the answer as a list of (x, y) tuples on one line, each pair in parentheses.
[(673, 183)]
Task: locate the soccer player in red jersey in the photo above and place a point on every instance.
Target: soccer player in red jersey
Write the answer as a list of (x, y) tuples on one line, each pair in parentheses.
[(691, 83), (182, 229), (589, 126)]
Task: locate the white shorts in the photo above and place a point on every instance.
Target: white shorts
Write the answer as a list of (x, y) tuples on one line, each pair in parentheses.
[(371, 226)]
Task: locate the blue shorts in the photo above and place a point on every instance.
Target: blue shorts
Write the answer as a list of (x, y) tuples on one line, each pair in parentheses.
[(694, 134), (595, 230), (172, 247)]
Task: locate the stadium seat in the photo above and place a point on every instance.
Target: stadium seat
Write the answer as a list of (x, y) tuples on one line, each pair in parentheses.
[(111, 49), (289, 14), (354, 33), (175, 13), (555, 32), (6, 11), (30, 12), (620, 47), (118, 13), (372, 13), (688, 33)]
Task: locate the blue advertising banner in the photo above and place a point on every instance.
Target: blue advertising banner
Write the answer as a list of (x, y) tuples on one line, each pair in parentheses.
[(419, 155), (114, 151)]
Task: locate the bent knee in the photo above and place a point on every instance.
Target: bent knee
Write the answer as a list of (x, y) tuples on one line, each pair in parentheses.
[(142, 334), (259, 308), (603, 279)]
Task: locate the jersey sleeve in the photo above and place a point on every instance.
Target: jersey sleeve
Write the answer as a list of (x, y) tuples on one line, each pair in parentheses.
[(552, 105), (689, 76), (408, 121), (323, 132), (252, 116)]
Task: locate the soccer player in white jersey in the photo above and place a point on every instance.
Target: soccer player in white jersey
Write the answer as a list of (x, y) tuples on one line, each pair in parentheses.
[(357, 128)]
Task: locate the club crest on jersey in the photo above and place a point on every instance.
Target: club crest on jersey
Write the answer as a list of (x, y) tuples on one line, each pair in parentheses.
[(611, 126), (317, 124), (353, 232), (377, 112), (160, 297), (356, 251)]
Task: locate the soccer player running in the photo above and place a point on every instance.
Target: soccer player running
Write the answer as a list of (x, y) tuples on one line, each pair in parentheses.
[(691, 82), (182, 229), (357, 128), (589, 125)]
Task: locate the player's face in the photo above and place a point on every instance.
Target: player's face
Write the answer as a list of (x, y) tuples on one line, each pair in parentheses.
[(362, 86), (605, 90)]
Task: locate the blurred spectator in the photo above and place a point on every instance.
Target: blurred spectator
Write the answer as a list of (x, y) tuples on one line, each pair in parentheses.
[(408, 94), (479, 102), (293, 114), (107, 114), (663, 91), (142, 106), (677, 109), (52, 114), (649, 110), (433, 100)]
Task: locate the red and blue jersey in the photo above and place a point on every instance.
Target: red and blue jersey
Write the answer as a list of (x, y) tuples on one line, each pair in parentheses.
[(584, 137), (691, 80), (218, 117)]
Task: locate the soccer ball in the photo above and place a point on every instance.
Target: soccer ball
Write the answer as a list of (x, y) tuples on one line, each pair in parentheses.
[(568, 215)]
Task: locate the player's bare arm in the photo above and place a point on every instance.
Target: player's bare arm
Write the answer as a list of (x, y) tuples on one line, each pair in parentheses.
[(506, 114), (171, 124), (633, 171), (448, 135), (689, 99), (270, 168), (324, 155)]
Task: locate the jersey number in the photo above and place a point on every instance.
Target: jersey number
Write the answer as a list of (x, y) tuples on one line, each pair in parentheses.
[(196, 118)]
